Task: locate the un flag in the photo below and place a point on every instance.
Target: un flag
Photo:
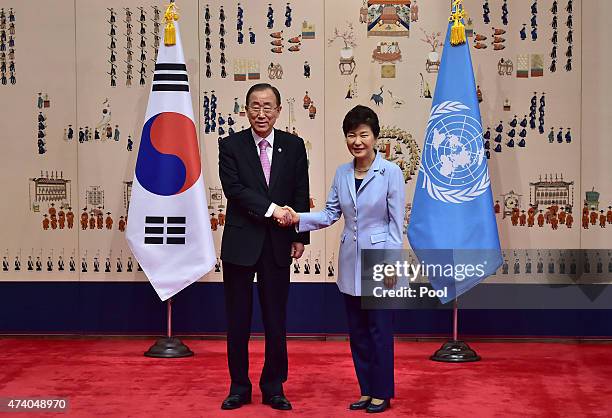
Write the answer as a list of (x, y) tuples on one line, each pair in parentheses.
[(452, 225)]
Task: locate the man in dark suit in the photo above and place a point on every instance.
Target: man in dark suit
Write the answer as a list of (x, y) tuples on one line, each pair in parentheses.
[(261, 169)]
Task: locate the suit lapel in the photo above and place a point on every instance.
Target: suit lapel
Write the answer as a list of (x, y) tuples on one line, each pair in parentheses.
[(253, 158), (278, 157), (350, 178), (371, 173)]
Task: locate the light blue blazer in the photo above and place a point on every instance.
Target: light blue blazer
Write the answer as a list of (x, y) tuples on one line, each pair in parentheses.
[(373, 217)]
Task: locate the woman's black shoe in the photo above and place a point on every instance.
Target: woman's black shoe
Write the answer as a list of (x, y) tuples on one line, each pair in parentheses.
[(378, 408), (360, 405)]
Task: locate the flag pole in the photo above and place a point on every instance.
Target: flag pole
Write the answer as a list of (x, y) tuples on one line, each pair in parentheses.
[(169, 318), (455, 321), (169, 346), (155, 202), (455, 350)]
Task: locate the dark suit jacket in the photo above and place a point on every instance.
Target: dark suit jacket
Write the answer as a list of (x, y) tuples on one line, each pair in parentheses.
[(248, 196)]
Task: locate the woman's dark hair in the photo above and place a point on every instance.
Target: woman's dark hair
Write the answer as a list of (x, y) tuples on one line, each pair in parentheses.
[(361, 115), (264, 86)]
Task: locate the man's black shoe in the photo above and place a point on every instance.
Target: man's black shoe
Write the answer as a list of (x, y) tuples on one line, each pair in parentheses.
[(277, 402), (235, 401)]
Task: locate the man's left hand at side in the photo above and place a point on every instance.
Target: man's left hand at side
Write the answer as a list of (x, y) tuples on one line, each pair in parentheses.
[(297, 249)]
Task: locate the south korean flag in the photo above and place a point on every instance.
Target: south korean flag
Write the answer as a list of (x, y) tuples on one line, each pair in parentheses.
[(169, 229)]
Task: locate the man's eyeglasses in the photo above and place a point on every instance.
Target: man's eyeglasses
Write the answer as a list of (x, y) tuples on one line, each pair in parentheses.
[(267, 110)]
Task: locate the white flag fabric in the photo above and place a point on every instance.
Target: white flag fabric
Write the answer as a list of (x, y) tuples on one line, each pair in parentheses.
[(168, 225)]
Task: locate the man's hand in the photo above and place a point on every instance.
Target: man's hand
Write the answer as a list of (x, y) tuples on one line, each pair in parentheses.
[(295, 218), (297, 249), (282, 216)]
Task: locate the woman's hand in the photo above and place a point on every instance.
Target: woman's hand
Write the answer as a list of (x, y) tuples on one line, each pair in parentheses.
[(295, 218), (390, 281)]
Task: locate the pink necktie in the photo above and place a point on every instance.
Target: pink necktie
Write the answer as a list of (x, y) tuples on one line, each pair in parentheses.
[(263, 157)]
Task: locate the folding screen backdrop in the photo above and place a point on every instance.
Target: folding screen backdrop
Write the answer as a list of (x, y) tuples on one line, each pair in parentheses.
[(76, 75)]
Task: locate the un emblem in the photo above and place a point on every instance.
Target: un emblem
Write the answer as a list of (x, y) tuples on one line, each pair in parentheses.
[(454, 165)]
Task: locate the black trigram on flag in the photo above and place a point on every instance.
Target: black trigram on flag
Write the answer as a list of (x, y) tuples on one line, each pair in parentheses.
[(170, 77), (165, 230)]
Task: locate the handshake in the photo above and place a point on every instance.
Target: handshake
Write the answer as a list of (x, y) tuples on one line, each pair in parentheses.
[(285, 216)]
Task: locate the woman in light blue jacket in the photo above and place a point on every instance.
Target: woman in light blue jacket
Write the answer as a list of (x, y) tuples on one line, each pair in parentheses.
[(369, 192)]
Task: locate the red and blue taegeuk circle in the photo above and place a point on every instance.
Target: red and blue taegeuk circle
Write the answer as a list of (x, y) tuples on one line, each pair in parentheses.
[(168, 159)]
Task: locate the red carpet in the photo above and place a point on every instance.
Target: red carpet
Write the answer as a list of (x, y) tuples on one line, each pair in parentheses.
[(111, 378)]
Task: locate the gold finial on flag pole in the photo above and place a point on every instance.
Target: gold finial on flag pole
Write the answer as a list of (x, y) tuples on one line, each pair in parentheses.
[(170, 16), (457, 36)]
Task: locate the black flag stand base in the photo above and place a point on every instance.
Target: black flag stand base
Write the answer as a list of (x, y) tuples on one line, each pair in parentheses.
[(455, 351), (169, 346)]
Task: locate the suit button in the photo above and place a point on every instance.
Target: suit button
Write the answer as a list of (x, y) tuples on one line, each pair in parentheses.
[(355, 218), (354, 228), (354, 237), (355, 207)]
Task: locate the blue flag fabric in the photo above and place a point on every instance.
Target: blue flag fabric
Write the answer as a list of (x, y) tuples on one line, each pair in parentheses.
[(452, 222)]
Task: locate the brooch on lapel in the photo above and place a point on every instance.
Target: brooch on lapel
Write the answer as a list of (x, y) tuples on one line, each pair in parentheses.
[(382, 171), (279, 150)]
